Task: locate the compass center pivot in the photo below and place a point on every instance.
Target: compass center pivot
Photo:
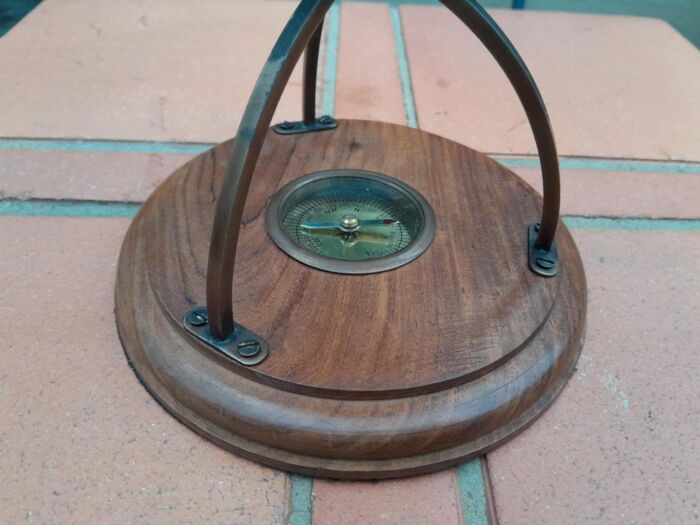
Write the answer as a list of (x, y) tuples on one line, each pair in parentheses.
[(349, 222)]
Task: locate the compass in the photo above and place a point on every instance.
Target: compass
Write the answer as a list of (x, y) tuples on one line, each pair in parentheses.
[(351, 221), (295, 304)]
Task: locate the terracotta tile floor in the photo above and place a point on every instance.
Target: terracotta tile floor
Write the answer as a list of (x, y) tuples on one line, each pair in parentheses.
[(146, 84)]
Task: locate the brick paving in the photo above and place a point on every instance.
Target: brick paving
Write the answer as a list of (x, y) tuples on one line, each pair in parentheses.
[(83, 441)]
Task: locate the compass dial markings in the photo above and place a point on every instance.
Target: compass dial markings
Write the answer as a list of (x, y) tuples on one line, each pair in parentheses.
[(352, 245), (352, 219)]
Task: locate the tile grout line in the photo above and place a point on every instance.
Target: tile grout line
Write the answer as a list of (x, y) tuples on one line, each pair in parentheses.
[(631, 223), (195, 148), (598, 164), (67, 208), (472, 493), (301, 500), (489, 497), (97, 145), (409, 103)]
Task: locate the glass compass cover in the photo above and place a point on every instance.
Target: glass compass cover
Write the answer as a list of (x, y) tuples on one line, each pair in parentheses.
[(350, 221)]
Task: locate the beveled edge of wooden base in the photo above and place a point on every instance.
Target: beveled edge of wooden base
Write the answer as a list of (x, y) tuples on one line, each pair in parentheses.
[(356, 470)]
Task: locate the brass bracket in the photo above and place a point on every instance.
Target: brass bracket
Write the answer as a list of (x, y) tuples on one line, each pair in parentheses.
[(544, 262), (320, 124), (242, 346)]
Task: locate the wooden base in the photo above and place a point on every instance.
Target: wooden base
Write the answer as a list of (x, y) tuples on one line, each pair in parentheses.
[(369, 376)]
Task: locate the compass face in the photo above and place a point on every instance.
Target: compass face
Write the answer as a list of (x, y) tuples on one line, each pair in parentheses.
[(351, 221)]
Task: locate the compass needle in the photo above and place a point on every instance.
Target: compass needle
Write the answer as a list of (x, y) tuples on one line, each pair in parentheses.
[(378, 222), (373, 237), (352, 219), (320, 226), (337, 225)]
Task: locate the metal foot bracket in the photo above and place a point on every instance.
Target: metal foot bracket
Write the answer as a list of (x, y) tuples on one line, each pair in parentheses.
[(243, 346), (320, 124), (541, 261)]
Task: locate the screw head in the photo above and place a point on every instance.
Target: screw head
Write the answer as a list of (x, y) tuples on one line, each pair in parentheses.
[(249, 348), (198, 317), (546, 264), (326, 119), (349, 221), (286, 125)]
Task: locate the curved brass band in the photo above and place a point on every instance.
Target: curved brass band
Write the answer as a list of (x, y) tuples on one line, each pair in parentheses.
[(485, 28), (501, 48), (304, 30), (310, 76), (249, 139)]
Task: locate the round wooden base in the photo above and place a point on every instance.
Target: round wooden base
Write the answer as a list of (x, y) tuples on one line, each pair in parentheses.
[(368, 376)]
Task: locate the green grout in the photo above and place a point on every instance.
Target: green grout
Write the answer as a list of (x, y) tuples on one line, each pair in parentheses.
[(330, 71), (631, 223), (404, 70), (472, 491), (67, 208), (117, 146), (592, 164), (301, 505)]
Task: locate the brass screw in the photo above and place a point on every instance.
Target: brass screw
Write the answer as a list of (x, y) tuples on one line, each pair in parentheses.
[(349, 222), (198, 317), (546, 264), (249, 348)]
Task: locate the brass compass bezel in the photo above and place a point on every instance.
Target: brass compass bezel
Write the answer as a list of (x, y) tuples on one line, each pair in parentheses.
[(420, 243)]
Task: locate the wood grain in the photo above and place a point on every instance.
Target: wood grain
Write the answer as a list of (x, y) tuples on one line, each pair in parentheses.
[(442, 358), (455, 312)]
